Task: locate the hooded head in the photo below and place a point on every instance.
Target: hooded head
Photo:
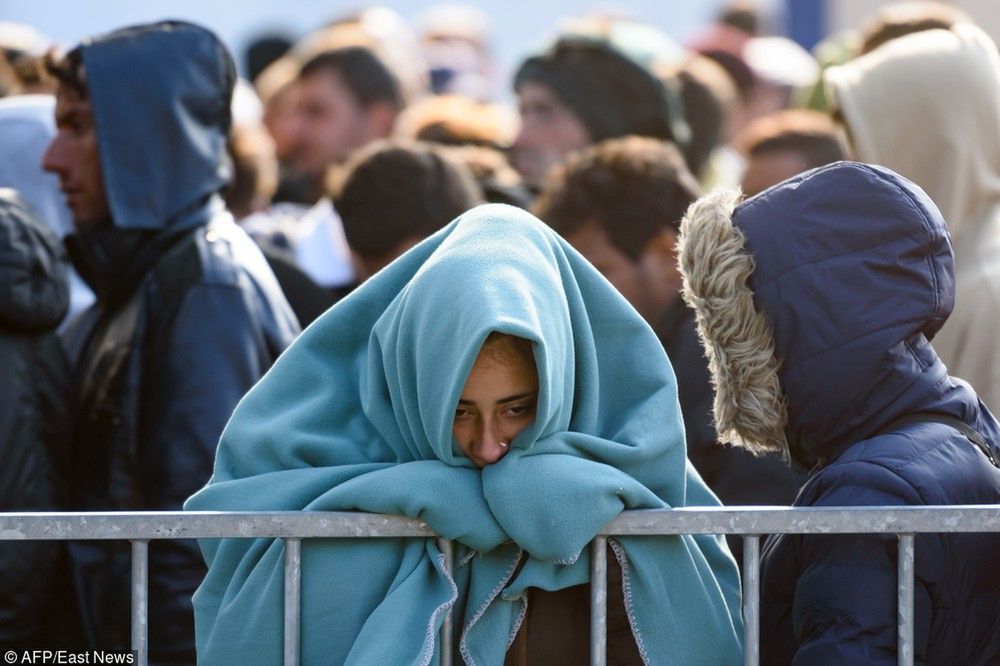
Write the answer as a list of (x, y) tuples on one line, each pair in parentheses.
[(815, 302), (583, 91), (34, 295), (159, 96), (927, 105)]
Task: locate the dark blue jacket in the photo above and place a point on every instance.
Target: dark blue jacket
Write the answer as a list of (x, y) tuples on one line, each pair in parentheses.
[(854, 272), (188, 315)]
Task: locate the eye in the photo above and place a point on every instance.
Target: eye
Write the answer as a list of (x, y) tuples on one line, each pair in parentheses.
[(463, 413), (520, 411)]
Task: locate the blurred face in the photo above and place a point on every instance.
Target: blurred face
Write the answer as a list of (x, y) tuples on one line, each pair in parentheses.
[(497, 403), (331, 123), (770, 168), (651, 284), (280, 118), (74, 156), (549, 131)]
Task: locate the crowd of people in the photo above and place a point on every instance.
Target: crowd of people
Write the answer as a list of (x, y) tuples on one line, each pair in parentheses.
[(726, 272)]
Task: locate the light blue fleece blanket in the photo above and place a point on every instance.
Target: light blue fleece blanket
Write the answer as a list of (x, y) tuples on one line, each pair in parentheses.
[(357, 415)]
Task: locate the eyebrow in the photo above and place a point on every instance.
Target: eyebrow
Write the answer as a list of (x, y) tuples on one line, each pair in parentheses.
[(529, 394)]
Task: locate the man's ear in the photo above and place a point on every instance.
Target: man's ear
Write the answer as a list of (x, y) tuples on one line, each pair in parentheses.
[(381, 119)]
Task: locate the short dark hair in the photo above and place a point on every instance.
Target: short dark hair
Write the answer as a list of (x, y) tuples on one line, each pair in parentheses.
[(742, 15), (394, 190), (363, 72), (68, 70), (904, 18), (708, 93), (633, 187), (811, 134)]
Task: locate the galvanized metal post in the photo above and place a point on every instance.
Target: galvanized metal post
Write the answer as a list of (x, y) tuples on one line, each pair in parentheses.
[(446, 627), (751, 600), (293, 604), (140, 600), (599, 601), (904, 604)]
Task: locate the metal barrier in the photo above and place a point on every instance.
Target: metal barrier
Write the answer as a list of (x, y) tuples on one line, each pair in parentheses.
[(292, 527)]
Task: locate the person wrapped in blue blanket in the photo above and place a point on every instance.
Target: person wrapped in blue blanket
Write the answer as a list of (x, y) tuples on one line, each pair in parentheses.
[(493, 384)]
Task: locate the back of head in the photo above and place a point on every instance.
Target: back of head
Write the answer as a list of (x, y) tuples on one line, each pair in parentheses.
[(633, 187), (610, 93), (160, 94), (904, 18), (394, 192), (815, 302), (922, 105), (455, 120), (709, 96), (35, 296), (742, 15), (790, 142)]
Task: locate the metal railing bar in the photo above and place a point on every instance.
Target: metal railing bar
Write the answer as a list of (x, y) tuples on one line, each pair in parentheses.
[(751, 600), (904, 604), (319, 524), (293, 602), (446, 628), (140, 600), (599, 601)]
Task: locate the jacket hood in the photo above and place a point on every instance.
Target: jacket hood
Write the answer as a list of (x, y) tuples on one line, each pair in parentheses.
[(34, 295), (816, 301), (161, 97), (927, 105)]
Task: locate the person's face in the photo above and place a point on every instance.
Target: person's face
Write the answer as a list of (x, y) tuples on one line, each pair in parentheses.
[(331, 123), (74, 156), (281, 118), (650, 284), (497, 403), (549, 131), (770, 168)]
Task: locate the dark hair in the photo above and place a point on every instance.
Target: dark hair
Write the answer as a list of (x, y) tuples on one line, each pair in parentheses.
[(363, 72), (811, 134), (738, 70), (68, 70), (262, 51), (904, 18), (633, 187), (394, 190), (705, 112), (741, 15)]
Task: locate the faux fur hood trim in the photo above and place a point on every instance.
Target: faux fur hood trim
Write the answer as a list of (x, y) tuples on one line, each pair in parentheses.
[(750, 406)]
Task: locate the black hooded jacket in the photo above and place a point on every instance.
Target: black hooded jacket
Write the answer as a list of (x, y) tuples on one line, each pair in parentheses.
[(188, 315), (34, 418)]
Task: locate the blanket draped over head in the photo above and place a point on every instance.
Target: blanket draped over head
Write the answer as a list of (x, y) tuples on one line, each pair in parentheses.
[(357, 416)]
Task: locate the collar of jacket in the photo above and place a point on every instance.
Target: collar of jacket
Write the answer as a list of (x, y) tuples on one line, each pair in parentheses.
[(112, 260)]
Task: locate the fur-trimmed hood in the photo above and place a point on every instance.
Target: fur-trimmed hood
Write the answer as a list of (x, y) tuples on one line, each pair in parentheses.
[(816, 301)]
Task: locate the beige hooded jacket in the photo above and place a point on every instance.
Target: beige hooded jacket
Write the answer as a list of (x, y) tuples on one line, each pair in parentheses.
[(927, 106)]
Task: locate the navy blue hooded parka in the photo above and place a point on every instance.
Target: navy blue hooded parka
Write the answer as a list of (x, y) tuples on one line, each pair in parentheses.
[(851, 270), (188, 315)]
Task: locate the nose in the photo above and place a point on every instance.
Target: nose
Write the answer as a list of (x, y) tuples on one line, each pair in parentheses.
[(54, 158), (493, 444)]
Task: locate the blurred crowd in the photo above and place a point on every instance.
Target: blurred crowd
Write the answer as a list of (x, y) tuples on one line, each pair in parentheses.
[(134, 314)]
